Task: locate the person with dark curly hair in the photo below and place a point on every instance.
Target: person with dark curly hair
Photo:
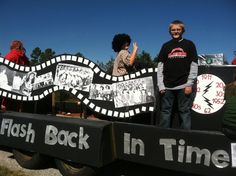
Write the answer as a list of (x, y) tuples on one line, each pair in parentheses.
[(124, 61)]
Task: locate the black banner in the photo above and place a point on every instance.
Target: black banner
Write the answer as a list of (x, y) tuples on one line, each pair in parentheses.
[(196, 152), (84, 141), (98, 143)]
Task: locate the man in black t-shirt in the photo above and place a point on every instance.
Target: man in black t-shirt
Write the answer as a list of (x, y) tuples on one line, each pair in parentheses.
[(177, 72)]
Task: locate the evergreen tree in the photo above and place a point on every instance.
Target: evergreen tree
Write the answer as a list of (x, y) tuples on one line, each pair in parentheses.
[(79, 54), (107, 67), (35, 56), (144, 60), (46, 55), (155, 60)]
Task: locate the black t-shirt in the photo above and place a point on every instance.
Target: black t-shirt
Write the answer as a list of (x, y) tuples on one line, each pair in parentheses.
[(177, 57)]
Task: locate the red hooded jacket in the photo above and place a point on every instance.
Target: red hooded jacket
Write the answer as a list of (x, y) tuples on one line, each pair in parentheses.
[(234, 61), (18, 57)]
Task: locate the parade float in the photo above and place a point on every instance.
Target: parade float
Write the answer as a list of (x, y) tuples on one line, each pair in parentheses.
[(128, 106)]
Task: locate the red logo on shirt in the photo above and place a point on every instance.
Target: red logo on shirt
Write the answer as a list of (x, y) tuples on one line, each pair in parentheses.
[(177, 53)]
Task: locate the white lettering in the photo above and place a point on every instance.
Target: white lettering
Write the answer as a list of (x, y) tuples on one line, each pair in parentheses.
[(50, 135), (133, 144), (23, 130), (12, 129), (65, 138), (62, 137), (233, 154), (168, 148), (199, 153), (82, 139), (126, 143), (220, 158), (181, 150), (70, 137), (15, 130), (30, 132)]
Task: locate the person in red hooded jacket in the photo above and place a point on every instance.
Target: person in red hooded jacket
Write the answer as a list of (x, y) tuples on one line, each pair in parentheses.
[(16, 55), (234, 59)]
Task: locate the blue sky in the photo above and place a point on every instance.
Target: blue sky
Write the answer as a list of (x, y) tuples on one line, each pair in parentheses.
[(88, 26)]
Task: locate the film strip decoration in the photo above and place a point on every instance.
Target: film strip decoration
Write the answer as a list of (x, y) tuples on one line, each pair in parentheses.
[(119, 97)]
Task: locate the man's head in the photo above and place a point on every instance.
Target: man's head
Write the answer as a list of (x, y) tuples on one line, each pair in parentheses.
[(176, 29)]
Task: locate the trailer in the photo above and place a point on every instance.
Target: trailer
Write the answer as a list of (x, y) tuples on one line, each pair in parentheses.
[(127, 130)]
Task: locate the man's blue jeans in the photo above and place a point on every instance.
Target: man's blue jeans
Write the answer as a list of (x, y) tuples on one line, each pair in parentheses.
[(184, 105)]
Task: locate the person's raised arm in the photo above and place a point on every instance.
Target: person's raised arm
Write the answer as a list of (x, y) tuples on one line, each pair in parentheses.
[(134, 53)]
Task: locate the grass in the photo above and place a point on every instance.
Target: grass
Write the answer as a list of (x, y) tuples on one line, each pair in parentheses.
[(4, 171)]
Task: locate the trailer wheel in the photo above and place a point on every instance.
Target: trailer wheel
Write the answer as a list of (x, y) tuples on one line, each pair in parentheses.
[(30, 160), (67, 168)]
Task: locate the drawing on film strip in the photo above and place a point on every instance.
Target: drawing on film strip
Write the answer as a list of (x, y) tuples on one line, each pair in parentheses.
[(120, 97)]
